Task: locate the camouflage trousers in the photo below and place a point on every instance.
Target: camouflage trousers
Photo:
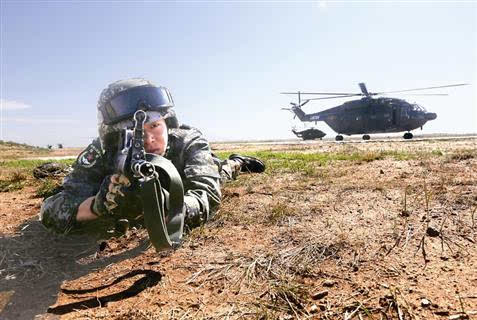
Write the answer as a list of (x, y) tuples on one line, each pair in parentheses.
[(228, 169)]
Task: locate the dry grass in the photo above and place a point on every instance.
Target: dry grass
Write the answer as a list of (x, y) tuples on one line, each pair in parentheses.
[(331, 231), (14, 180)]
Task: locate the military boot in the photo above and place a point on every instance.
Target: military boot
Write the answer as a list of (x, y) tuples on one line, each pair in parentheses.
[(248, 164)]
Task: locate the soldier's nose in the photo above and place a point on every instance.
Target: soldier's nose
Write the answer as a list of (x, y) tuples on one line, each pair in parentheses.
[(148, 139)]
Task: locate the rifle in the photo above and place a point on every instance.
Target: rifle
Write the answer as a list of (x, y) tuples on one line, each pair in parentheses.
[(164, 228)]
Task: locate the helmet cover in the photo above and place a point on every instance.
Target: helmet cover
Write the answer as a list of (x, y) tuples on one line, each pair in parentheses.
[(118, 102)]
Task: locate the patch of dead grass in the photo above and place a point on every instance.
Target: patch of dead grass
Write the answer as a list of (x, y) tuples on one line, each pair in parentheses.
[(14, 180)]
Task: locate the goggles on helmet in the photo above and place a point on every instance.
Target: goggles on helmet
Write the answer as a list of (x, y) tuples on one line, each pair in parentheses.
[(127, 102)]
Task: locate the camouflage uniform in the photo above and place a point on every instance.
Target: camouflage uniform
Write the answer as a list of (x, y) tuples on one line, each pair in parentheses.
[(201, 172), (187, 149)]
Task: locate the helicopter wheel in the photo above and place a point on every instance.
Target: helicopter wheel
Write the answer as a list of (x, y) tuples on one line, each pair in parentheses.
[(339, 137), (366, 137), (408, 136)]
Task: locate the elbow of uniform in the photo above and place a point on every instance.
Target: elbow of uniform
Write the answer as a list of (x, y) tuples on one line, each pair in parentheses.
[(53, 217)]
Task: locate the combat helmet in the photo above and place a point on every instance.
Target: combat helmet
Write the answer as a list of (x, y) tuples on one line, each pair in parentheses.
[(118, 102)]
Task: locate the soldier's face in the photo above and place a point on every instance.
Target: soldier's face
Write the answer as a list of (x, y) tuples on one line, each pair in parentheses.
[(155, 137)]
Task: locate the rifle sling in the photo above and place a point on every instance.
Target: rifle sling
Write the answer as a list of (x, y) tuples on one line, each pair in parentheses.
[(163, 233)]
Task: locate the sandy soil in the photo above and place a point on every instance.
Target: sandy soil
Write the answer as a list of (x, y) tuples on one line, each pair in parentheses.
[(382, 239)]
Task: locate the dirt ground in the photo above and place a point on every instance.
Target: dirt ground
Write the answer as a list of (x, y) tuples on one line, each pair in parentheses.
[(371, 238)]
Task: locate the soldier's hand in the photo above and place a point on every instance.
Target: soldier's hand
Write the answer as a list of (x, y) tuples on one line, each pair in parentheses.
[(110, 195)]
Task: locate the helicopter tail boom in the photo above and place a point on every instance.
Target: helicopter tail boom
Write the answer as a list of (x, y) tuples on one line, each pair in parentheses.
[(299, 113)]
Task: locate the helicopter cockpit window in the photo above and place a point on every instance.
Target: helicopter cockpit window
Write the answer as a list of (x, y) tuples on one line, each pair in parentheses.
[(416, 107)]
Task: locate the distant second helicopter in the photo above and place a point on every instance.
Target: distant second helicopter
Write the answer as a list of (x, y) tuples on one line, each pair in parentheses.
[(368, 114)]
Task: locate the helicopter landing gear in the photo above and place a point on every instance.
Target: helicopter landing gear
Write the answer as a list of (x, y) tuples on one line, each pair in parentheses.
[(366, 137), (339, 137), (408, 136)]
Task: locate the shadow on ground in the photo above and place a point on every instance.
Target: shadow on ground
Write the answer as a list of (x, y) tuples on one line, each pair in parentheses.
[(34, 263)]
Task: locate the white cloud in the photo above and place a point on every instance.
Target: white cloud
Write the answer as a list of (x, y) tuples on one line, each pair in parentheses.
[(13, 105)]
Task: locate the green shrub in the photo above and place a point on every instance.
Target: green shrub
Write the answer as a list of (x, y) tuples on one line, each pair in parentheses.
[(30, 164), (47, 188)]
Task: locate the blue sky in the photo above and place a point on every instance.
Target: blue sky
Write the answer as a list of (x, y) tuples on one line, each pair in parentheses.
[(226, 62)]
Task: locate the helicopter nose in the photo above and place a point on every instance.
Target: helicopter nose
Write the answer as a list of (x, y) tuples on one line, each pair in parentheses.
[(430, 116)]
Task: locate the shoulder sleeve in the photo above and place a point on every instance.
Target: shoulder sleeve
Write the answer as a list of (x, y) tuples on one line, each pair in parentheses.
[(58, 212)]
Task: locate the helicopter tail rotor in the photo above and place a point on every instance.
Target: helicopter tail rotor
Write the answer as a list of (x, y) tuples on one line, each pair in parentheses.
[(294, 106), (297, 111)]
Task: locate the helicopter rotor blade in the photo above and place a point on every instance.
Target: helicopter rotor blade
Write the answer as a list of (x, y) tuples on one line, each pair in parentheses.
[(425, 94), (446, 86), (363, 88), (324, 93), (337, 97)]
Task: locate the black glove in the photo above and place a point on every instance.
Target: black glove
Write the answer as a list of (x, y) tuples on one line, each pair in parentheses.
[(114, 190)]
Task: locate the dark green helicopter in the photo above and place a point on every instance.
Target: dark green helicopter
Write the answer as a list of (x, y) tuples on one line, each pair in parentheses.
[(367, 115), (309, 134)]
